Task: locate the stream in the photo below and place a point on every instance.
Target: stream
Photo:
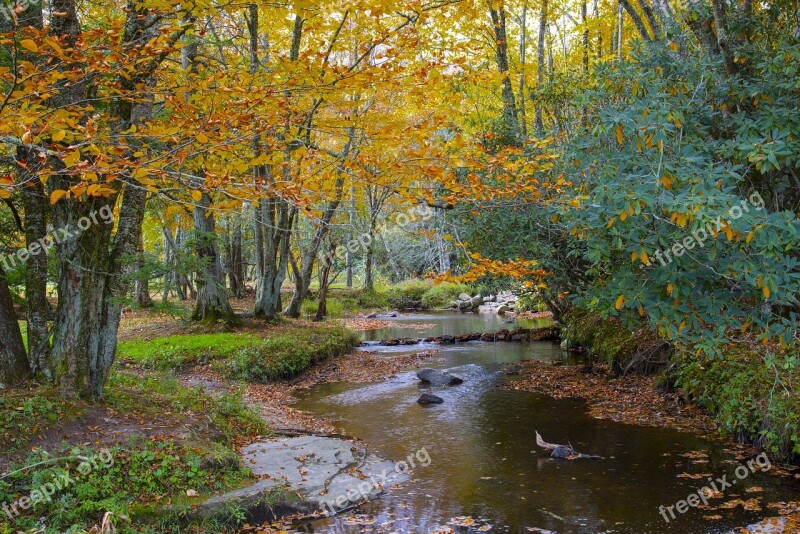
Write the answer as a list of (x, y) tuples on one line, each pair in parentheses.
[(483, 460)]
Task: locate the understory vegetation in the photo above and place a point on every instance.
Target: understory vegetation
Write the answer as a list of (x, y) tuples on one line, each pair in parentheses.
[(287, 355), (150, 483)]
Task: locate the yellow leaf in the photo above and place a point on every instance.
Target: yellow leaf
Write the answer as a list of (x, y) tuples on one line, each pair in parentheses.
[(765, 291), (56, 195), (623, 215), (27, 44), (72, 158), (59, 135), (620, 302), (202, 138), (634, 255), (197, 196), (644, 256), (670, 287), (5, 193), (620, 135)]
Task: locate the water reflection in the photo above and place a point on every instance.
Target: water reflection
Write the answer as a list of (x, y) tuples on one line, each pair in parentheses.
[(485, 463)]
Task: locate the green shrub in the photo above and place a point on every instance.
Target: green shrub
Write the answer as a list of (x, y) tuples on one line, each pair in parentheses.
[(751, 393), (408, 293), (182, 351), (441, 295), (287, 355), (531, 302)]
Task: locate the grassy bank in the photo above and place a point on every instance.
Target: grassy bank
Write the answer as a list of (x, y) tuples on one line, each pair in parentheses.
[(154, 446), (151, 444), (244, 356)]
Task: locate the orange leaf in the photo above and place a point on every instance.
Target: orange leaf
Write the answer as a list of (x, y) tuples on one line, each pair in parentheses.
[(56, 195)]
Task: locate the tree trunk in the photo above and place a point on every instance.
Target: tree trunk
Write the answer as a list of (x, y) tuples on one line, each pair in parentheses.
[(274, 218), (700, 21), (303, 275), (348, 256), (637, 20), (235, 261), (36, 206), (142, 291), (584, 23), (540, 65), (651, 18), (324, 282), (273, 231), (723, 38), (212, 303), (501, 55), (523, 44), (14, 367), (92, 275), (369, 282)]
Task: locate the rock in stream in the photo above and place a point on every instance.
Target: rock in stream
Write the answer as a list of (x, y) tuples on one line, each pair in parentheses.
[(315, 474)]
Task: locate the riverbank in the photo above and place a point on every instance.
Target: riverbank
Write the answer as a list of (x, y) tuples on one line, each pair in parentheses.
[(173, 401), (632, 399)]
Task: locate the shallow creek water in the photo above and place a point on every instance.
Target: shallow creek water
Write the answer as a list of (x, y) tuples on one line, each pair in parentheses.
[(484, 462)]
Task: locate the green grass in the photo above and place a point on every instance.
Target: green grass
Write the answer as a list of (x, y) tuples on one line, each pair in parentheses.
[(287, 355), (182, 351), (154, 395)]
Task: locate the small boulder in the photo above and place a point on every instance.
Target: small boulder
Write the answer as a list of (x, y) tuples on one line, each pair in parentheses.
[(464, 297), (427, 398), (476, 301), (435, 377), (501, 310)]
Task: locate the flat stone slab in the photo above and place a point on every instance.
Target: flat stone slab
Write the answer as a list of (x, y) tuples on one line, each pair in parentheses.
[(323, 475)]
